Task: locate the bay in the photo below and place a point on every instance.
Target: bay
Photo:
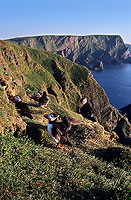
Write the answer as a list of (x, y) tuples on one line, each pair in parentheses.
[(116, 81)]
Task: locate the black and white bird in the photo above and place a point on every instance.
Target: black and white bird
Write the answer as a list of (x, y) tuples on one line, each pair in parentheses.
[(58, 128), (22, 107), (86, 110), (43, 100)]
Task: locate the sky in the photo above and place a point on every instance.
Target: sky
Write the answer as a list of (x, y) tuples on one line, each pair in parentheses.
[(20, 18)]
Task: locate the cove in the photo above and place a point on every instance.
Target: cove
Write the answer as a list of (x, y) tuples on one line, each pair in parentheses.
[(116, 81)]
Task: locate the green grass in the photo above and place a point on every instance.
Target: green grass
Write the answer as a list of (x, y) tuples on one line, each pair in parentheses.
[(77, 75), (30, 171)]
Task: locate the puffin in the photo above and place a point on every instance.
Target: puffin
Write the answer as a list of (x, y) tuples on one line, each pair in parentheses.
[(35, 96), (43, 100), (58, 128), (22, 107), (86, 110)]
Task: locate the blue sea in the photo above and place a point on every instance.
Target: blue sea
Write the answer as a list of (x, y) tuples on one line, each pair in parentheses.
[(116, 81)]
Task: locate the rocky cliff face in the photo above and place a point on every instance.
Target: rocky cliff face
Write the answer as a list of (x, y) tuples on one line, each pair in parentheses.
[(24, 70), (129, 46), (84, 50)]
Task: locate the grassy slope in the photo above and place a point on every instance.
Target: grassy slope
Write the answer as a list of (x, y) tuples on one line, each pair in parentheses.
[(24, 72), (30, 171), (36, 169)]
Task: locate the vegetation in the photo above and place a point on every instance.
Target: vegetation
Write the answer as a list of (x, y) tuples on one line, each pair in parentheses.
[(30, 171), (31, 166)]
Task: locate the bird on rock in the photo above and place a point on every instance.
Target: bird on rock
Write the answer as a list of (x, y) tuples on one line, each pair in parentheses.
[(86, 110), (43, 100), (58, 128), (22, 107)]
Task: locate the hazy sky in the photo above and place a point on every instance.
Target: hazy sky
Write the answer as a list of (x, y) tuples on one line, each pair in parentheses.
[(73, 17)]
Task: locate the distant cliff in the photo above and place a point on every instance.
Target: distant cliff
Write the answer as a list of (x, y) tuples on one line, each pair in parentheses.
[(129, 46), (84, 50)]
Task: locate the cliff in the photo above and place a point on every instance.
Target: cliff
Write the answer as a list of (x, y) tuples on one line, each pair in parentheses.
[(84, 50), (32, 167), (25, 70), (129, 46)]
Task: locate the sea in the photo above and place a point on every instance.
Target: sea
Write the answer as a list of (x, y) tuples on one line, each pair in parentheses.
[(116, 81)]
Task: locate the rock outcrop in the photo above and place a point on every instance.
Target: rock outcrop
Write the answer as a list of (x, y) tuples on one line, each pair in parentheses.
[(84, 50), (99, 66)]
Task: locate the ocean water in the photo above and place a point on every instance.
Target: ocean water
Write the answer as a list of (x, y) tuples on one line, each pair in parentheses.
[(116, 81)]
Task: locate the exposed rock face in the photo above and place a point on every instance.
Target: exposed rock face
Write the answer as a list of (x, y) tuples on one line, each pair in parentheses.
[(84, 50), (129, 47)]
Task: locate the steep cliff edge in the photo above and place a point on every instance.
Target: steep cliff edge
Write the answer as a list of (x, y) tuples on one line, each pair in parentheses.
[(84, 50), (24, 71)]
